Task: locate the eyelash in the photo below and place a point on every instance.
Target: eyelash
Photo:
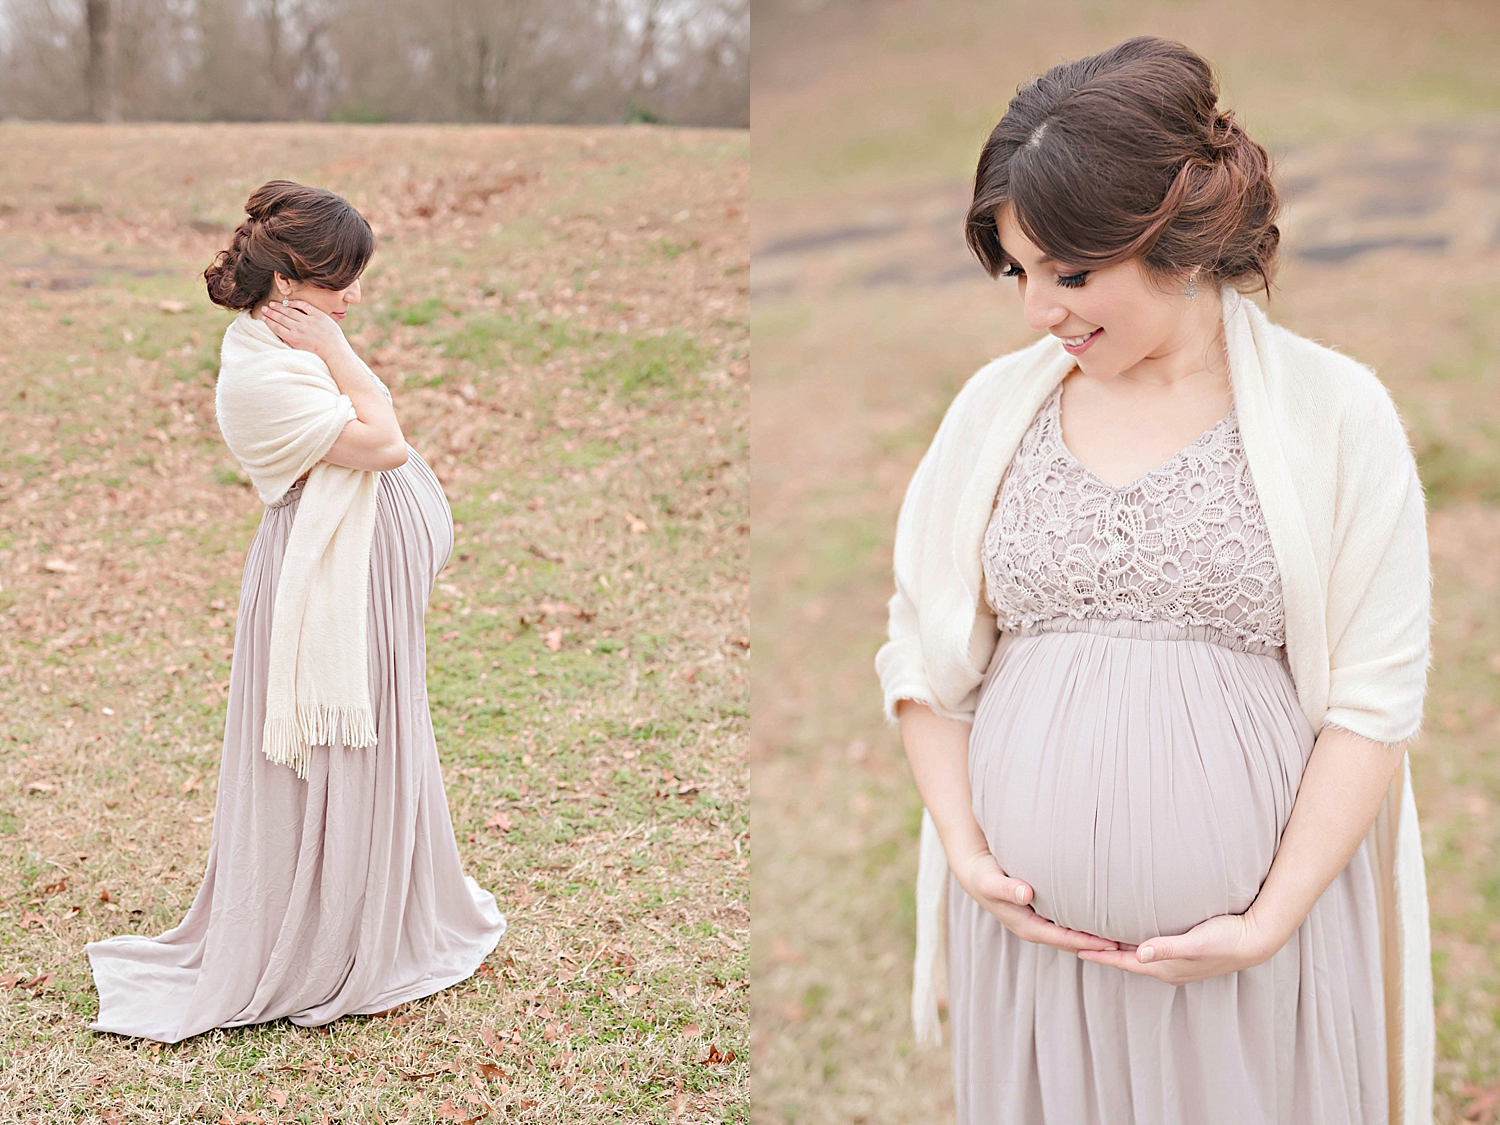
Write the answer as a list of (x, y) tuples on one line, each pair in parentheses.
[(1071, 281)]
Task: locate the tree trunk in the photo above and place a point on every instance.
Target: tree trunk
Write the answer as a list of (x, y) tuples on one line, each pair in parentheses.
[(101, 67)]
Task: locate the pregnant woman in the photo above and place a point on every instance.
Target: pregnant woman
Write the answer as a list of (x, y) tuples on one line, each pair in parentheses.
[(334, 885), (1158, 643)]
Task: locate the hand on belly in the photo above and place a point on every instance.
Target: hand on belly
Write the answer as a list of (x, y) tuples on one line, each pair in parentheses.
[(1140, 787), (1129, 883)]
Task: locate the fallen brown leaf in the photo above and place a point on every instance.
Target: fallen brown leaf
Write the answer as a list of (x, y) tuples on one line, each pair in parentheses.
[(60, 566), (277, 1095), (554, 640), (500, 820), (715, 1056), (691, 1031)]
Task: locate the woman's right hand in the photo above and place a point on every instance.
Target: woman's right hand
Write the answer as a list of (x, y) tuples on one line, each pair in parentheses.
[(1009, 901), (299, 325)]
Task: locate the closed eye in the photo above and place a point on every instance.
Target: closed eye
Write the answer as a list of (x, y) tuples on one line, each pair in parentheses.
[(1070, 281)]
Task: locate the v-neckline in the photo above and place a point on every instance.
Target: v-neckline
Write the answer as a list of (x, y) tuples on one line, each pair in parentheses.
[(1071, 456)]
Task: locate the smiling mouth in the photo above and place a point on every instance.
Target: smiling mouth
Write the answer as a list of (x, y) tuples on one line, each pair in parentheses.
[(1075, 341)]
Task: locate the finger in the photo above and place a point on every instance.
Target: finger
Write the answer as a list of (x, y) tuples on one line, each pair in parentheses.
[(1159, 949), (1121, 959), (1013, 890), (1045, 932), (1003, 888)]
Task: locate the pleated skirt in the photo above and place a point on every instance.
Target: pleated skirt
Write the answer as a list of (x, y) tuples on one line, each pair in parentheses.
[(1139, 777), (341, 893)]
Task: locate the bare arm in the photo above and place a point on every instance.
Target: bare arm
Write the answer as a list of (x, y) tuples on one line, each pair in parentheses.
[(1345, 780), (372, 440), (938, 751)]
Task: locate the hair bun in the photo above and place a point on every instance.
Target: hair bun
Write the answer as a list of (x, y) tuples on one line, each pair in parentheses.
[(303, 233), (1224, 135), (271, 197)]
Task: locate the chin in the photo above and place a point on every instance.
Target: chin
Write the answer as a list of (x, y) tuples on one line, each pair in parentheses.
[(1093, 369)]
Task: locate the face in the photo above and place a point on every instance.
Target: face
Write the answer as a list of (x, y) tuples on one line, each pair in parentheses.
[(334, 302), (1111, 319)]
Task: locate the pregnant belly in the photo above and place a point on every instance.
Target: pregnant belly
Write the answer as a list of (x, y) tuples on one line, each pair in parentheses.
[(1139, 786)]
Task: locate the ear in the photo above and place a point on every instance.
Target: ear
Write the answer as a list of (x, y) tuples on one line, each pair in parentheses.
[(282, 285)]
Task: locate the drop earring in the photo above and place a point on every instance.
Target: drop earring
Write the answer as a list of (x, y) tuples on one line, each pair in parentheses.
[(1192, 286)]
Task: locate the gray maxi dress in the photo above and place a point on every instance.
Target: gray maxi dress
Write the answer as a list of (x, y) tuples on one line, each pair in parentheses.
[(1135, 753), (342, 893)]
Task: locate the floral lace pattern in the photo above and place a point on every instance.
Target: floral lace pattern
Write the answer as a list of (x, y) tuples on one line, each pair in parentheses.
[(1186, 542)]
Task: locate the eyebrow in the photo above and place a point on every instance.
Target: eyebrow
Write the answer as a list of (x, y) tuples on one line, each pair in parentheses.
[(1042, 261)]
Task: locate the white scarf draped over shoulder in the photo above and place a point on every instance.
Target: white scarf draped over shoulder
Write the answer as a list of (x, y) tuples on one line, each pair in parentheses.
[(280, 411), (1345, 511)]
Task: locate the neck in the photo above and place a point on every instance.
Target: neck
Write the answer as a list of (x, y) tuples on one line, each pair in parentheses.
[(1194, 352)]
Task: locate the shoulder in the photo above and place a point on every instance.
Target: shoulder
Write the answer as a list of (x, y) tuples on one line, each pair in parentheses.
[(1328, 385), (1330, 404)]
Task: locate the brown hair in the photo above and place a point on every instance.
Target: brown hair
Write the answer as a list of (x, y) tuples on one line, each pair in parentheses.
[(1123, 155), (306, 234)]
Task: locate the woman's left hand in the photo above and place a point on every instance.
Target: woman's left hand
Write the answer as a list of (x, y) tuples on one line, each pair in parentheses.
[(1223, 944)]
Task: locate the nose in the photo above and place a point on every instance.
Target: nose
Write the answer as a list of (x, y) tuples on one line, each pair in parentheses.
[(352, 293), (1041, 308)]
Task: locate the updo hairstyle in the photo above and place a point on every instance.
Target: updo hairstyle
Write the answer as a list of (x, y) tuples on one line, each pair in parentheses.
[(306, 234), (1125, 154)]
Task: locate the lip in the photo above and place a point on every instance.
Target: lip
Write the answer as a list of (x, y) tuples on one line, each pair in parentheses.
[(339, 315), (1083, 347)]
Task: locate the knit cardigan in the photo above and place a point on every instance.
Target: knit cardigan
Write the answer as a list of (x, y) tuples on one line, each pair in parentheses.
[(1344, 508)]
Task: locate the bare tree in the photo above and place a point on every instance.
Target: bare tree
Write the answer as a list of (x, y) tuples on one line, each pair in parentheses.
[(103, 103), (368, 60)]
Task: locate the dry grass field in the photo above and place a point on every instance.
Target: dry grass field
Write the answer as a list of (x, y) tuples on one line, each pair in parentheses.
[(560, 314), (868, 313)]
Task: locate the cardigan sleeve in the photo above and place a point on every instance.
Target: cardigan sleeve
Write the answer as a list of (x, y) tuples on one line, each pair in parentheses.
[(899, 662), (1379, 589), (921, 560)]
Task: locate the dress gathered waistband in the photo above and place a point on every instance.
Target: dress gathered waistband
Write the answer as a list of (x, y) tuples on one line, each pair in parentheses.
[(1158, 630), (291, 494)]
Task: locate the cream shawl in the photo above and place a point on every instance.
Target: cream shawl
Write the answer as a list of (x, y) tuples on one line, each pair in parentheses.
[(280, 411), (1338, 485)]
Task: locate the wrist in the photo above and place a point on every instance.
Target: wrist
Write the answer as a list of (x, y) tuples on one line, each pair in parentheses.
[(331, 350), (1267, 930)]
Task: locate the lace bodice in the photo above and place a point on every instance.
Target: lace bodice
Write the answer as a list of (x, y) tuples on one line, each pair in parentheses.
[(1186, 542)]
